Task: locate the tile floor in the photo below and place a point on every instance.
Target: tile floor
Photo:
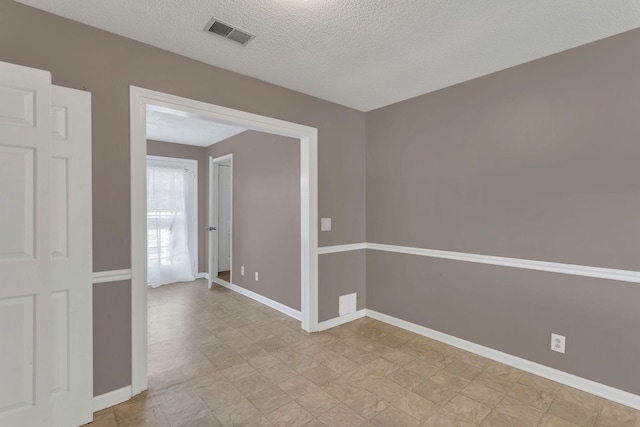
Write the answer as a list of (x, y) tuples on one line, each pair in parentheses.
[(217, 358)]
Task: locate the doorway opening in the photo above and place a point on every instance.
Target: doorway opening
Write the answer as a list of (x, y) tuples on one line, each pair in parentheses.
[(140, 100)]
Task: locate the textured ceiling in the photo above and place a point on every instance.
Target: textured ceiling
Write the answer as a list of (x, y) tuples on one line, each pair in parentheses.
[(165, 124), (361, 53)]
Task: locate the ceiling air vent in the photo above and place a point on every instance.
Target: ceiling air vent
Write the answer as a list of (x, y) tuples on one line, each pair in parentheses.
[(227, 31)]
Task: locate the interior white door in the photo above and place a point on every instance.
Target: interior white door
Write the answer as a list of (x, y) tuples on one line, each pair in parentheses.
[(71, 258), (25, 252), (224, 217), (212, 231)]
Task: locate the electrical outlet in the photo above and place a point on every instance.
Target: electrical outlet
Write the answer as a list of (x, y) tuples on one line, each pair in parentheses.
[(256, 276), (325, 224), (242, 270), (558, 343)]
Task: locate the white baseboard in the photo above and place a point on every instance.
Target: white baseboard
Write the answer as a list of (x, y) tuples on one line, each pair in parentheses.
[(605, 391), (296, 314), (204, 275), (341, 320), (112, 398)]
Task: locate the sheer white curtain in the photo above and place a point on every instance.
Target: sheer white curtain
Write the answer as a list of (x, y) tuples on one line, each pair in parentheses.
[(168, 258)]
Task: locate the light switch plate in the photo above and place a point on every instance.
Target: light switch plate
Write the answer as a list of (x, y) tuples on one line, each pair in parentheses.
[(325, 224), (347, 304)]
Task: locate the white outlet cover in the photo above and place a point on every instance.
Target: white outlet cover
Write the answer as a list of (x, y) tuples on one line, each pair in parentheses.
[(347, 304), (242, 270), (325, 224), (558, 343), (256, 276)]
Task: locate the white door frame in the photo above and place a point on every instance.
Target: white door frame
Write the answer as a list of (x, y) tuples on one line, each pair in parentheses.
[(213, 219), (139, 99), (191, 202)]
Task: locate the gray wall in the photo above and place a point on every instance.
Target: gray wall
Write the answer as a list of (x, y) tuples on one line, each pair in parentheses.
[(537, 162), (79, 56), (112, 325), (266, 213), (340, 274), (181, 151)]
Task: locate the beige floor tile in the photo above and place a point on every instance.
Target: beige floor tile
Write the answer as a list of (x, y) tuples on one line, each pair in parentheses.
[(581, 398), (398, 357), (341, 415), (549, 420), (365, 404), (278, 373), (531, 396), (297, 386), (291, 414), (572, 412), (380, 367), (498, 419), (393, 417), (463, 369), (231, 361), (467, 409), (386, 389), (450, 380), (317, 402), (421, 367), (434, 392), (320, 375), (270, 398), (416, 406), (614, 414), (435, 358), (238, 372), (526, 415), (407, 379), (252, 384), (446, 419), (479, 392), (474, 359), (340, 364)]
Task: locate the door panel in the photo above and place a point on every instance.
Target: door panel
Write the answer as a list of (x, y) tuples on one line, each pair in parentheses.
[(17, 184), (71, 257), (16, 363), (25, 272)]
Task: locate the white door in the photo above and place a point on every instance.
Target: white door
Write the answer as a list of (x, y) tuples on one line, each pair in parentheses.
[(25, 252), (224, 217), (71, 258), (215, 217)]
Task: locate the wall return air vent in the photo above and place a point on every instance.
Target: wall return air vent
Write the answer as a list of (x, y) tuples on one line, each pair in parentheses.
[(227, 31)]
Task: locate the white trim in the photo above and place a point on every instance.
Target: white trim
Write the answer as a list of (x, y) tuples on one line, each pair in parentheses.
[(554, 267), (607, 392), (111, 398), (204, 275), (191, 203), (139, 98), (111, 276), (341, 248), (341, 320), (261, 299)]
